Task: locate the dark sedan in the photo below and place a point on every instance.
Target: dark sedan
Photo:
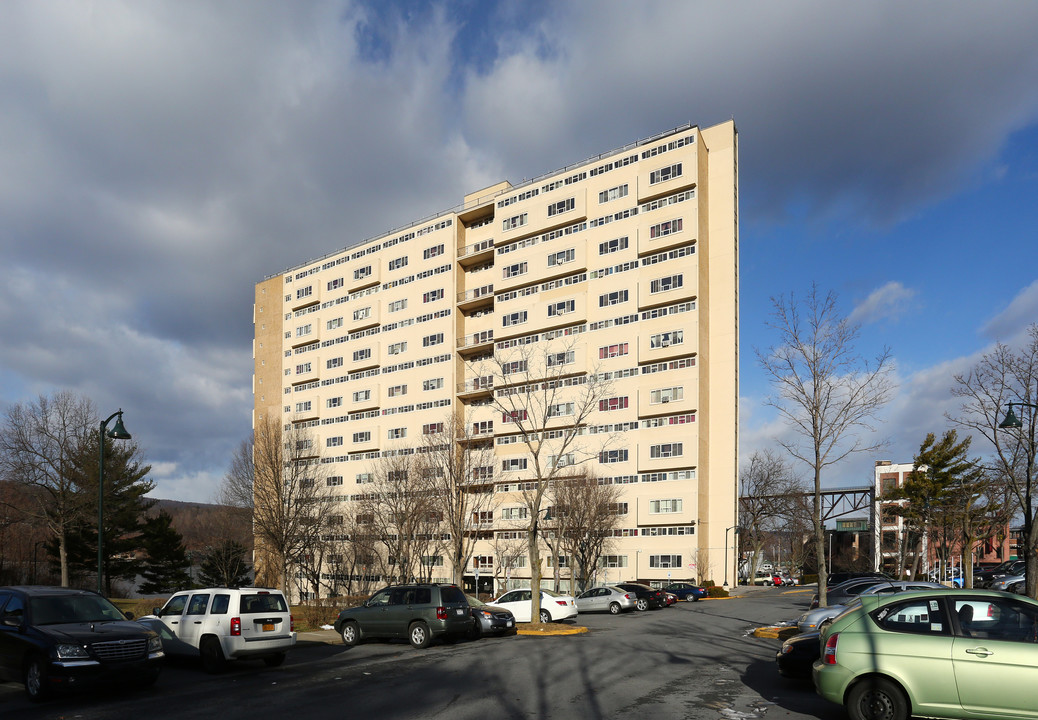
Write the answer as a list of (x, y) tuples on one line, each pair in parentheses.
[(645, 597), (686, 591), (490, 619), (58, 639), (797, 655)]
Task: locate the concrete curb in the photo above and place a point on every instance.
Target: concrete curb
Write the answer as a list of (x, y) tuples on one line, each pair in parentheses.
[(776, 633), (549, 630)]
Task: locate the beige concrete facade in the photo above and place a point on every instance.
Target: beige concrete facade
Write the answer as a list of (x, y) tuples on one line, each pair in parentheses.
[(627, 264)]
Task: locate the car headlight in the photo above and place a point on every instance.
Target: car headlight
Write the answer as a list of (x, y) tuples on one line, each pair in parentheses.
[(486, 614), (786, 649), (68, 651), (154, 644)]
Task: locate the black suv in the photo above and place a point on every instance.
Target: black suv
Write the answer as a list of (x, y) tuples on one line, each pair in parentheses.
[(418, 612), (59, 638), (646, 598)]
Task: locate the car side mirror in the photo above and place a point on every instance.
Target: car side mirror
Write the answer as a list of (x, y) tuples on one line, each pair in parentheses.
[(11, 622), (129, 615), (156, 611)]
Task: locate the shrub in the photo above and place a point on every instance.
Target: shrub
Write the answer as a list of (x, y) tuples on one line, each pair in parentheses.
[(716, 591)]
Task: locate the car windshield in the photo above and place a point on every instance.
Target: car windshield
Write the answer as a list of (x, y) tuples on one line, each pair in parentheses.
[(263, 603), (474, 601), (52, 610), (551, 593)]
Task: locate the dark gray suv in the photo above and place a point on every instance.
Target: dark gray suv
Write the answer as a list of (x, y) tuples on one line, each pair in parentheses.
[(418, 612)]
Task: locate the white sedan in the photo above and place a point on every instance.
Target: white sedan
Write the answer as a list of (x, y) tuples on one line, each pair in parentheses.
[(554, 606)]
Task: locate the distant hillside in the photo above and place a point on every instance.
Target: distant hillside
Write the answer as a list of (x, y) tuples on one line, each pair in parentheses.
[(201, 524)]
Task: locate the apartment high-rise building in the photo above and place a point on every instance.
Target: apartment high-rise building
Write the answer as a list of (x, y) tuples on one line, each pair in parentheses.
[(612, 282)]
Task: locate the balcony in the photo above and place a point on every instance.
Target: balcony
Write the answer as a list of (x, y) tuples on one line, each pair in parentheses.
[(475, 299), (476, 253), (477, 387), (476, 343)]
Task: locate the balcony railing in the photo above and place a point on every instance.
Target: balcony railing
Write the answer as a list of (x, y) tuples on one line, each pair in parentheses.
[(476, 294), (481, 338), (476, 248)]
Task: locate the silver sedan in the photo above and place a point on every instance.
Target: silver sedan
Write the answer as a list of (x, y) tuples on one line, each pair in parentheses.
[(606, 598)]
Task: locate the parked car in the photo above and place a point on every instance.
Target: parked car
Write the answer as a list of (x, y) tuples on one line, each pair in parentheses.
[(840, 594), (554, 606), (606, 598), (797, 655), (813, 619), (687, 591), (947, 653), (419, 612), (788, 579), (54, 639), (763, 577), (221, 624), (490, 619), (1007, 581), (645, 597), (985, 578), (671, 598), (838, 578)]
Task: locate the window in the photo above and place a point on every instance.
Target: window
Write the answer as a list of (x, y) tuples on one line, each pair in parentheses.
[(664, 284), (398, 263), (362, 436), (561, 206), (483, 472), (397, 390), (662, 507), (303, 368), (513, 416), (562, 257), (920, 616), (510, 271), (612, 561), (361, 273), (662, 340), (663, 174), (334, 402), (613, 193), (559, 359), (304, 330), (514, 222), (665, 228), (361, 395), (365, 478), (359, 355), (362, 313), (333, 441), (336, 284), (397, 433), (666, 395), (612, 298), (515, 513), (434, 384), (612, 456), (397, 348), (430, 340), (666, 450), (334, 481), (560, 409), (516, 318), (483, 562), (612, 246), (611, 351), (664, 561), (398, 305), (561, 308), (334, 324), (513, 367), (560, 461), (304, 406), (304, 292), (333, 363), (432, 252), (483, 427), (513, 464), (432, 428), (616, 403)]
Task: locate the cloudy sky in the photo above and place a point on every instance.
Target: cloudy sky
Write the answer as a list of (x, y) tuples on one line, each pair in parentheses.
[(157, 159)]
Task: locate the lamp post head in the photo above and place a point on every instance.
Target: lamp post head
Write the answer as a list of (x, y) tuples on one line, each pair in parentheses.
[(1011, 421), (119, 431)]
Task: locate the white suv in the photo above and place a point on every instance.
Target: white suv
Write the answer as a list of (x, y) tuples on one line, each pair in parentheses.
[(222, 624)]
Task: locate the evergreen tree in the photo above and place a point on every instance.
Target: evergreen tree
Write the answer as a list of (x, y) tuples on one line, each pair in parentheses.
[(166, 566), (224, 565)]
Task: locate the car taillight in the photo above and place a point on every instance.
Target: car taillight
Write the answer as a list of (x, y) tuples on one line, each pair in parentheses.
[(563, 603), (236, 626), (441, 613), (627, 595), (292, 622), (829, 656)]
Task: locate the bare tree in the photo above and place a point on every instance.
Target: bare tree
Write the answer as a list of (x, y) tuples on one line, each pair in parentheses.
[(764, 487), (545, 399), (460, 469), (509, 548), (587, 512), (825, 391), (278, 474), (1001, 377), (39, 444)]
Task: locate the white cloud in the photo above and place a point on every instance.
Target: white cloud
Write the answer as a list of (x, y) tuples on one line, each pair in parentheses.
[(1010, 325), (887, 302)]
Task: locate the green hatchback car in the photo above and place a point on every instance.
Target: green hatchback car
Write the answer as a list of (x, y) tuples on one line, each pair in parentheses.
[(418, 612), (942, 654)]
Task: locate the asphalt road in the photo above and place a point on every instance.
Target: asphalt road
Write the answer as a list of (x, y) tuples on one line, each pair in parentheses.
[(693, 660)]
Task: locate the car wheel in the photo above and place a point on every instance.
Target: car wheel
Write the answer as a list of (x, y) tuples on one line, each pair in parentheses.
[(37, 685), (476, 631), (350, 634), (419, 635), (150, 679), (274, 660), (642, 605), (545, 616), (877, 699), (615, 608), (213, 660)]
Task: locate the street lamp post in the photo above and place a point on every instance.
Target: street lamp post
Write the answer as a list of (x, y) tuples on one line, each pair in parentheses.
[(736, 528), (116, 433), (1012, 422)]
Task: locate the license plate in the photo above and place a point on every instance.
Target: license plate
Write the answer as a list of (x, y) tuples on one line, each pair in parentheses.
[(268, 627), (509, 624), (459, 611)]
